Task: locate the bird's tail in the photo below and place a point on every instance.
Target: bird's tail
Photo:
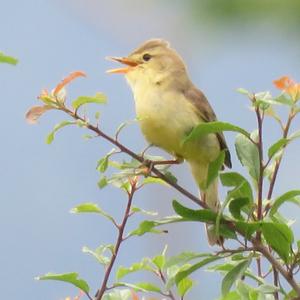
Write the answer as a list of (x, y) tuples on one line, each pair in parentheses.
[(210, 197)]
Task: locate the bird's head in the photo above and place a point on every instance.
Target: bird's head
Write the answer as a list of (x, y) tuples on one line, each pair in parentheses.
[(154, 62)]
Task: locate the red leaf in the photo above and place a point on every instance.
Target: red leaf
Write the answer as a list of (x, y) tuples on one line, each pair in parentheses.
[(35, 112), (68, 79), (294, 91), (283, 82)]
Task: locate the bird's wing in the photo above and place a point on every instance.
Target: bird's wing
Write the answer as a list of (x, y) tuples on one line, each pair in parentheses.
[(207, 114)]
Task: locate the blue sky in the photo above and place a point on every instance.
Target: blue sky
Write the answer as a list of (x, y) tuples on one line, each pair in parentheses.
[(41, 183)]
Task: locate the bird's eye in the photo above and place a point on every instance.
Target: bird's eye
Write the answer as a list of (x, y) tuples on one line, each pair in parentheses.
[(146, 57)]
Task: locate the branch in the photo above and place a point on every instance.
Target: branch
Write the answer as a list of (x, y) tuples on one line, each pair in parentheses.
[(276, 265), (120, 239), (135, 156), (162, 277), (259, 145), (277, 165), (261, 164)]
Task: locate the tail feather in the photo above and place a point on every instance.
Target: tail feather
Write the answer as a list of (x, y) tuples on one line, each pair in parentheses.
[(210, 197)]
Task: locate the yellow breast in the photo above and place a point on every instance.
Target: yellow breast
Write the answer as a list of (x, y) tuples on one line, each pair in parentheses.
[(165, 117)]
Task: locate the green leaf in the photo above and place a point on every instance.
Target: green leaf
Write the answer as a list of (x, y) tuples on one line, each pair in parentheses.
[(121, 181), (294, 135), (248, 155), (284, 99), (267, 289), (236, 205), (184, 286), (277, 147), (171, 273), (231, 296), (151, 180), (118, 294), (102, 182), (149, 226), (243, 91), (201, 215), (286, 197), (242, 188), (264, 100), (233, 275), (214, 168), (225, 268), (7, 59), (135, 267), (279, 218), (279, 237), (212, 127), (183, 274), (183, 258), (292, 295), (57, 127), (145, 227), (246, 291), (99, 253), (247, 228), (148, 287), (103, 164), (67, 277), (226, 232), (90, 207), (125, 124), (159, 261), (219, 217), (99, 98), (135, 209), (141, 286)]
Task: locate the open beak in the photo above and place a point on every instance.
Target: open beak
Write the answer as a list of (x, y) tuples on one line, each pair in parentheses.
[(130, 64)]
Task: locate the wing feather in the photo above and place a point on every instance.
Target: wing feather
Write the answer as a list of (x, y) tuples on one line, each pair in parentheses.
[(207, 114)]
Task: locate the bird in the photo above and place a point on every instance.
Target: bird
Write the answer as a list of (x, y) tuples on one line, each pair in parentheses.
[(168, 106)]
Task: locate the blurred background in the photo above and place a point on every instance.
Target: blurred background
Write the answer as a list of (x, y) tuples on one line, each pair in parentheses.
[(226, 45)]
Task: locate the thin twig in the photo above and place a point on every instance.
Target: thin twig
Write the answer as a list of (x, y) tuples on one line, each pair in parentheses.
[(88, 295), (120, 239), (260, 180), (277, 165), (261, 165), (276, 265), (162, 277), (276, 283)]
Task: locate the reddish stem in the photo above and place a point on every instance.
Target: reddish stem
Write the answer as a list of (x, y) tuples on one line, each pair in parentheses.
[(121, 229)]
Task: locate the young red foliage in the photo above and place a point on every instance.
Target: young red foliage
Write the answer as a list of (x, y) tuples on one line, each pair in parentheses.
[(67, 80)]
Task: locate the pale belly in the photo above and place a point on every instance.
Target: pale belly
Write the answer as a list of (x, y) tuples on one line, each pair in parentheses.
[(166, 119)]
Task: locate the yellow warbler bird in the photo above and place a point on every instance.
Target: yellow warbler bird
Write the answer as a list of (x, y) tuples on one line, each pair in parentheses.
[(169, 107)]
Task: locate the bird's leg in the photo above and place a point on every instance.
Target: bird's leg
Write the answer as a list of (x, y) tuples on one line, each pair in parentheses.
[(150, 164), (176, 161)]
